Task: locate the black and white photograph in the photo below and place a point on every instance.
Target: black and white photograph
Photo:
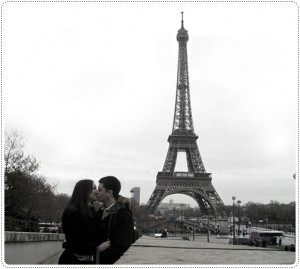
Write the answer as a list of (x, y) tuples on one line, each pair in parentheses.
[(150, 133)]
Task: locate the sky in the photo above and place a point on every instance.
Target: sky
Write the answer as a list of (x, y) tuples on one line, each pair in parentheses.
[(91, 86)]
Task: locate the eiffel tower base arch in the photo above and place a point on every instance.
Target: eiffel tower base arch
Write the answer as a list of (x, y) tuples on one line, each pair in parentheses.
[(195, 185)]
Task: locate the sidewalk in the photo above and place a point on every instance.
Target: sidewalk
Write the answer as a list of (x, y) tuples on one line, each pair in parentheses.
[(149, 250), (53, 259)]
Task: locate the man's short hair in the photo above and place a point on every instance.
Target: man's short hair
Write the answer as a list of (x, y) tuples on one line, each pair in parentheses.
[(111, 183)]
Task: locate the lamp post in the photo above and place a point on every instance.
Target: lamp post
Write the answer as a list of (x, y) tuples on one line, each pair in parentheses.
[(239, 212), (293, 230), (132, 199), (194, 215), (174, 220), (181, 221), (193, 233), (233, 204), (208, 224)]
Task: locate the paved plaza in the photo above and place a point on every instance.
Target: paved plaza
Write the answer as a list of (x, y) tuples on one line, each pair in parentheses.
[(150, 250), (175, 250)]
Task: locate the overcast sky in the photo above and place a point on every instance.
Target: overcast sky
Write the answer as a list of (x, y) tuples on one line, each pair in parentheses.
[(91, 86)]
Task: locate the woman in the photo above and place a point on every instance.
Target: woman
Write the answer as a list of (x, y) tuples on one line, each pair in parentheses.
[(79, 223)]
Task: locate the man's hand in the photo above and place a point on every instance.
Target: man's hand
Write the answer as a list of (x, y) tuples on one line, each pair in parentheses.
[(104, 245)]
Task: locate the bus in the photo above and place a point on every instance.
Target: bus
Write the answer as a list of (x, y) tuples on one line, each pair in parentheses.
[(49, 227), (264, 238)]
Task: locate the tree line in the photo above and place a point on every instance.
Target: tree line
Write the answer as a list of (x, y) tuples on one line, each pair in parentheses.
[(273, 212), (273, 215)]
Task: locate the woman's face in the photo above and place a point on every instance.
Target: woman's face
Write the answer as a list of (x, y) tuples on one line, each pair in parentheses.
[(93, 196)]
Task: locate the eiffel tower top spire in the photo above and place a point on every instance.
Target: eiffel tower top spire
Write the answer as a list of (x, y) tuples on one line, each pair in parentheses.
[(182, 19), (183, 122), (182, 33)]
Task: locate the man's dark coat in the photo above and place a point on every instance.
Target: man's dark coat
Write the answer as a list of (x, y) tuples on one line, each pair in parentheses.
[(117, 227)]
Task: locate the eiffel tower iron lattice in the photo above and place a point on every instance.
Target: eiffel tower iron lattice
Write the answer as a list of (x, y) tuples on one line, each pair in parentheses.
[(196, 182)]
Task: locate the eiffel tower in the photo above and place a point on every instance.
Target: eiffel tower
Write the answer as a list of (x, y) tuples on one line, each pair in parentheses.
[(195, 183)]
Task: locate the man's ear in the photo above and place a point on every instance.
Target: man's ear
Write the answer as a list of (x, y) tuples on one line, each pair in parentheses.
[(110, 192)]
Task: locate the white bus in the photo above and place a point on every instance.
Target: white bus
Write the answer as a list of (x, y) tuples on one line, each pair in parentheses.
[(264, 238), (48, 227)]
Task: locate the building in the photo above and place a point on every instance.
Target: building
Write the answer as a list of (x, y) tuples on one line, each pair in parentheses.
[(171, 205), (135, 194)]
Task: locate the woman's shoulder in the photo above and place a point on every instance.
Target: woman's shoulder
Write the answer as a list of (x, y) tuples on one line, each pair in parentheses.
[(71, 210)]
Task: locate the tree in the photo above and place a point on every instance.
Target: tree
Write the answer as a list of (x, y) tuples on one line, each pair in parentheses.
[(17, 172), (60, 202), (26, 193), (41, 200), (28, 197), (14, 158)]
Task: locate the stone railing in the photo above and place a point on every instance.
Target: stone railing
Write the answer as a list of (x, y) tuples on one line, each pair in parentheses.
[(31, 248)]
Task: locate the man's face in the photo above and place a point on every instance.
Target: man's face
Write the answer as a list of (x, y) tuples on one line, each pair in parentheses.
[(103, 195)]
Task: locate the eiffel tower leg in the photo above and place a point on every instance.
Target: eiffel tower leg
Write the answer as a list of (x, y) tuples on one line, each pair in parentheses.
[(203, 206), (200, 197), (197, 161), (155, 199), (217, 202), (170, 161), (210, 202), (189, 161)]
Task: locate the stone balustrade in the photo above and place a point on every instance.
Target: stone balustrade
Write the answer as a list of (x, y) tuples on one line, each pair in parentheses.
[(31, 248)]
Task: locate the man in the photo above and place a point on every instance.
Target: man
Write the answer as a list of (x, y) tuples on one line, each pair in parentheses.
[(116, 223)]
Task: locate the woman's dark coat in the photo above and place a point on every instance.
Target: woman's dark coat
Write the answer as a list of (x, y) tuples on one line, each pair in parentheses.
[(81, 234)]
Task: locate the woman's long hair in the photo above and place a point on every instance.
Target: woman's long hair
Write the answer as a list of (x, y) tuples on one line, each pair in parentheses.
[(79, 198)]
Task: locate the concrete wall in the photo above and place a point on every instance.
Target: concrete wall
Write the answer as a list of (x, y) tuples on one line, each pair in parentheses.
[(31, 248)]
